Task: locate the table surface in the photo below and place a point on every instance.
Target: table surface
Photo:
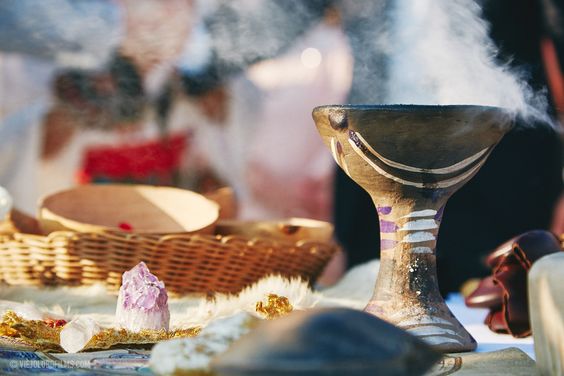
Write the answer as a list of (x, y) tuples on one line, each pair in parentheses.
[(473, 321)]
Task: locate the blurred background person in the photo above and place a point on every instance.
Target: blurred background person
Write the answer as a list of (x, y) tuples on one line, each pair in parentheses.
[(38, 38), (112, 125)]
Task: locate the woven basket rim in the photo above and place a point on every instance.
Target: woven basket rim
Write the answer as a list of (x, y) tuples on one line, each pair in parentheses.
[(47, 213), (161, 237)]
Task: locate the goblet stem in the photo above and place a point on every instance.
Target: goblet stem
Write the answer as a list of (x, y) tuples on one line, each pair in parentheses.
[(407, 292)]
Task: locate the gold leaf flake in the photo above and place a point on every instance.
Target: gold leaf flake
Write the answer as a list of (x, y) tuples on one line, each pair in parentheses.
[(275, 306)]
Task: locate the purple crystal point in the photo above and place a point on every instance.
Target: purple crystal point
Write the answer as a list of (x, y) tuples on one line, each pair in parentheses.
[(142, 301)]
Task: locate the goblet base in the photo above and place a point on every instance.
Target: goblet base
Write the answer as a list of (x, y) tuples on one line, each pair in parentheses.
[(432, 322)]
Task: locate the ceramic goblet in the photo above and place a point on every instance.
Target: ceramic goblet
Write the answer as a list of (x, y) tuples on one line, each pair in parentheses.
[(411, 159)]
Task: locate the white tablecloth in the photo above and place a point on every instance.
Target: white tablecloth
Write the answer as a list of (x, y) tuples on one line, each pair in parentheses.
[(473, 321)]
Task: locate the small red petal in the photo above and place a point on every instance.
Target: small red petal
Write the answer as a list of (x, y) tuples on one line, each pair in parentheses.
[(55, 323), (60, 323), (125, 226)]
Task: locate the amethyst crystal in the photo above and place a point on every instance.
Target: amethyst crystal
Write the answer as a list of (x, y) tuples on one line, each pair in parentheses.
[(142, 302)]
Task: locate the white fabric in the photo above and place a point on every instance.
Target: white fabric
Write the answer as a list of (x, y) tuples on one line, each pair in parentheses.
[(473, 321), (354, 290)]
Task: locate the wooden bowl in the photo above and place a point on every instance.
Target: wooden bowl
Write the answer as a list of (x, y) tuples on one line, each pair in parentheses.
[(134, 208), (227, 201), (289, 230)]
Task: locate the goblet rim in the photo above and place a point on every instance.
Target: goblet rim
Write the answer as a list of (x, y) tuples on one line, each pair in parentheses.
[(400, 107)]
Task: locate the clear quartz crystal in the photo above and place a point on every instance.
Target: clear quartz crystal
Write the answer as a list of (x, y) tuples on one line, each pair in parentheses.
[(77, 333), (143, 301)]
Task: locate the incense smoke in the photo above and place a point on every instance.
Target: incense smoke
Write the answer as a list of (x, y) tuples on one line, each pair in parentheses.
[(441, 54), (406, 51)]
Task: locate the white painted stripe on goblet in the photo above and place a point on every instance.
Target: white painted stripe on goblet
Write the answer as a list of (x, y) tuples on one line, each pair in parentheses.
[(420, 224), (418, 237), (443, 184), (380, 171), (444, 170), (419, 321), (429, 330), (439, 340), (421, 213), (453, 181), (421, 250)]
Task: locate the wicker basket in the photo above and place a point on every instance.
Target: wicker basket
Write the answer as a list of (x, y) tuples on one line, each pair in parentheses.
[(187, 263)]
